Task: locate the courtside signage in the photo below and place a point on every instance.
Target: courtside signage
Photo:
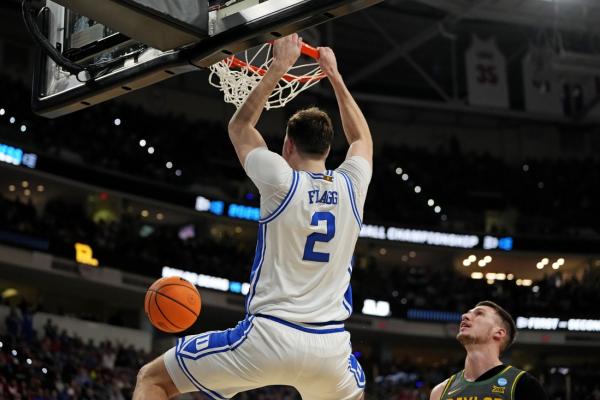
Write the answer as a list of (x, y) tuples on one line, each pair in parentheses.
[(16, 156), (391, 233), (435, 238), (557, 324), (207, 281), (370, 307)]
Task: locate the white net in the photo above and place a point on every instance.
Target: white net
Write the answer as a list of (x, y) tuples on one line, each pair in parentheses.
[(236, 80)]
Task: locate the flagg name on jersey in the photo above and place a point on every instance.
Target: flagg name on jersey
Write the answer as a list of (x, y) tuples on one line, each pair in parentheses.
[(327, 197)]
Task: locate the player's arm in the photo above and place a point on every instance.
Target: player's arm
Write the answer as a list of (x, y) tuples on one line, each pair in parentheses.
[(355, 125), (437, 391), (242, 126)]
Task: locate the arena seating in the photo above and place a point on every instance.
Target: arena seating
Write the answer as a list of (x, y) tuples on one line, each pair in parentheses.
[(120, 245), (467, 185), (52, 365), (547, 196)]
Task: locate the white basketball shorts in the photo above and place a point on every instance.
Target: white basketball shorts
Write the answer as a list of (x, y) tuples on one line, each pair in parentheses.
[(260, 351)]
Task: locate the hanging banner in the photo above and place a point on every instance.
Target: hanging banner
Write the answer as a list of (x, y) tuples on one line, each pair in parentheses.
[(541, 87), (487, 80)]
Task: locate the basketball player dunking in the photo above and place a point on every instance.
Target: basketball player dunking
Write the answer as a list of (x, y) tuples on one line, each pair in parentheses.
[(485, 332), (293, 333)]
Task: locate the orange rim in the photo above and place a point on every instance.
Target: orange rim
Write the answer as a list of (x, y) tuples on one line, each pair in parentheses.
[(307, 50)]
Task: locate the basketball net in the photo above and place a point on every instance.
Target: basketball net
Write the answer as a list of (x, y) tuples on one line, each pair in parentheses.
[(237, 75)]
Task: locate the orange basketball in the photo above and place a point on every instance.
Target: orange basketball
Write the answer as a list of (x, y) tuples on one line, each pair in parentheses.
[(172, 304)]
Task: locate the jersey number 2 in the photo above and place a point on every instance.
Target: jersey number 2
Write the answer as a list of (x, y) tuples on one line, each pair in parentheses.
[(309, 253)]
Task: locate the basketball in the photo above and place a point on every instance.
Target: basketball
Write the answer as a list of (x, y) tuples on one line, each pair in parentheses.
[(172, 304)]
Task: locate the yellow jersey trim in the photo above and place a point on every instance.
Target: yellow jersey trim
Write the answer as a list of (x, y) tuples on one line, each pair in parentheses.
[(450, 380), (514, 385)]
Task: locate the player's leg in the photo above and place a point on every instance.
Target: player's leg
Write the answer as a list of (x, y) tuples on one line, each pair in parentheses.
[(221, 364), (333, 385), (154, 382), (335, 374)]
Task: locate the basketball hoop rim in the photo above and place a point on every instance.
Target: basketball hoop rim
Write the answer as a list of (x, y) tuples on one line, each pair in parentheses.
[(306, 49)]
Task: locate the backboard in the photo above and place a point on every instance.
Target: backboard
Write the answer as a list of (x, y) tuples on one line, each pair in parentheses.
[(125, 45)]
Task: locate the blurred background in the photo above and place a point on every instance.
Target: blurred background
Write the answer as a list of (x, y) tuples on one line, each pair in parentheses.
[(486, 186)]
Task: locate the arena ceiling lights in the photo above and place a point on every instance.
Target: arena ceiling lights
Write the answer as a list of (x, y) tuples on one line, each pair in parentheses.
[(555, 265)]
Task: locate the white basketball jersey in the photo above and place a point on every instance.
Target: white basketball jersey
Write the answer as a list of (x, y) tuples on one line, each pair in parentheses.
[(303, 263)]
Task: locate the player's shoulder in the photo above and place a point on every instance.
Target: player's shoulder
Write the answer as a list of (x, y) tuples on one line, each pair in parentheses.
[(437, 391), (528, 387), (521, 374), (355, 161), (262, 153), (358, 169), (265, 167), (526, 376)]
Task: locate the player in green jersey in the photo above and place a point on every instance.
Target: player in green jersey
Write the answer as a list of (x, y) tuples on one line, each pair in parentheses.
[(486, 332)]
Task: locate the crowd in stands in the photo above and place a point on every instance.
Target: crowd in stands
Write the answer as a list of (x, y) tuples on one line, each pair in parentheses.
[(54, 365), (584, 382), (543, 196), (122, 245), (548, 197), (444, 289)]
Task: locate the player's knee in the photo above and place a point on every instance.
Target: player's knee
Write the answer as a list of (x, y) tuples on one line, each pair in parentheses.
[(149, 374), (144, 374), (155, 375)]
